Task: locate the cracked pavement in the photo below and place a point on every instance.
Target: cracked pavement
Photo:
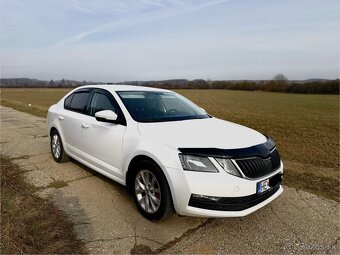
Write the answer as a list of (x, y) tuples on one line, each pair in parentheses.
[(107, 220)]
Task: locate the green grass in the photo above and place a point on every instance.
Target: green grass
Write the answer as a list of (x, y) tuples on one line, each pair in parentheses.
[(305, 127)]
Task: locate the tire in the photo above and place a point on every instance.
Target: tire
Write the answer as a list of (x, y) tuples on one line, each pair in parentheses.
[(146, 200), (57, 149)]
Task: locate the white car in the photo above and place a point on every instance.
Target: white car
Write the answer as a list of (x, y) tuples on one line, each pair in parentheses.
[(169, 153)]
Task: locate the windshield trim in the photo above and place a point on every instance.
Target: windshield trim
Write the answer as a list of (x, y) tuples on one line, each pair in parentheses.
[(164, 119)]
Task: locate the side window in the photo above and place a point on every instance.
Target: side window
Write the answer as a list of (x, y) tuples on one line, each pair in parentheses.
[(67, 101), (79, 101), (101, 102)]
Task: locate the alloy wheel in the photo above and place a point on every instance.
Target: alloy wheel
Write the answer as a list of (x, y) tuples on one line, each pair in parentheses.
[(56, 146), (147, 191)]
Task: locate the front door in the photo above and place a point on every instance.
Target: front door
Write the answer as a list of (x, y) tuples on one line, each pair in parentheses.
[(104, 141)]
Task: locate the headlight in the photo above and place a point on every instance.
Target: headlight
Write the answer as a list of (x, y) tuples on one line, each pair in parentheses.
[(195, 163), (228, 166)]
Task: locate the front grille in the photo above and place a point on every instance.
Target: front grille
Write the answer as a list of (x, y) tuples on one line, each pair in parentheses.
[(259, 167), (275, 158)]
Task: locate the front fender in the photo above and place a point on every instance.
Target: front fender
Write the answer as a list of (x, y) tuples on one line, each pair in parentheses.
[(166, 158)]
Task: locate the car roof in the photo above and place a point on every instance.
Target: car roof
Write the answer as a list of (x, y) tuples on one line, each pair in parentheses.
[(119, 87)]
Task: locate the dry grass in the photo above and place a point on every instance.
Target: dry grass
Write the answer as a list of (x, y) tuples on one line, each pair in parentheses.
[(30, 224), (305, 127), (40, 99)]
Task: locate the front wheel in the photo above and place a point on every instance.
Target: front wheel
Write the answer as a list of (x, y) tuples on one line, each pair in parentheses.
[(151, 192), (57, 148)]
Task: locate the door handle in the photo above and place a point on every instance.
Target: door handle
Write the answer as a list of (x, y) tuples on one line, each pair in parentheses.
[(85, 125), (61, 117)]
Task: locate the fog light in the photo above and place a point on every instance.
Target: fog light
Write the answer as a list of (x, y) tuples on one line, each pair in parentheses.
[(205, 198)]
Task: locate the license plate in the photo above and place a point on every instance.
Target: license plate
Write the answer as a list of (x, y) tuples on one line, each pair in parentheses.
[(263, 186)]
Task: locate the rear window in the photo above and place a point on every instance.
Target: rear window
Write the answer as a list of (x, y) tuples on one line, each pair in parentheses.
[(67, 101), (79, 101)]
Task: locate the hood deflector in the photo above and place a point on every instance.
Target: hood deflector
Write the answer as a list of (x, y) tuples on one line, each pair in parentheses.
[(261, 150)]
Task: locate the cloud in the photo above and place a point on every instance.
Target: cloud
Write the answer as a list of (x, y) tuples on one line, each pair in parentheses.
[(154, 39), (153, 2), (138, 19), (89, 6)]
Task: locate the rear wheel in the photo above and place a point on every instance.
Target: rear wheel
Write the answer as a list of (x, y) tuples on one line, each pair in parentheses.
[(57, 148), (151, 191)]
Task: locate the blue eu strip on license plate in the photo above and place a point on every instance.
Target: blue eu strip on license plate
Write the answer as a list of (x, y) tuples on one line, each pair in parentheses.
[(263, 186)]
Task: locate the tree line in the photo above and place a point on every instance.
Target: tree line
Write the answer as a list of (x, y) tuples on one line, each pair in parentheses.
[(34, 83), (279, 83)]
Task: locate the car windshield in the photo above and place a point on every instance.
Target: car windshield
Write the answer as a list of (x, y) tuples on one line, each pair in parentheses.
[(154, 106)]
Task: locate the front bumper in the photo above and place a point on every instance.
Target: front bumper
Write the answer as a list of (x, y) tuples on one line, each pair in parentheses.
[(194, 211), (237, 195)]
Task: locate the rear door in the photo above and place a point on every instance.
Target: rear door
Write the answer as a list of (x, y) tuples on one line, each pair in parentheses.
[(71, 119), (102, 140)]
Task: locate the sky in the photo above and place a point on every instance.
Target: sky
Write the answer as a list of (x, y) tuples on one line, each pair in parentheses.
[(126, 40)]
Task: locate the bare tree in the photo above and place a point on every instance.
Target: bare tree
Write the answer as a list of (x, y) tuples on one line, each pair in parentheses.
[(280, 78)]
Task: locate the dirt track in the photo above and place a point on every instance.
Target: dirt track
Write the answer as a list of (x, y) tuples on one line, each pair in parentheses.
[(107, 221)]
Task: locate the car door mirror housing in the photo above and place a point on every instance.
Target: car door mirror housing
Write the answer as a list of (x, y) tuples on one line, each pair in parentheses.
[(106, 116)]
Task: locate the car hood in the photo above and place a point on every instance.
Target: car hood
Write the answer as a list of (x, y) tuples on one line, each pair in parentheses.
[(201, 133)]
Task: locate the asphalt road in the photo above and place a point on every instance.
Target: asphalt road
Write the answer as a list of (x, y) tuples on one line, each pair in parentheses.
[(107, 221)]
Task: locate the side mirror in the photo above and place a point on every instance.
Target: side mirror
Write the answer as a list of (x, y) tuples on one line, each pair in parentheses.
[(106, 116)]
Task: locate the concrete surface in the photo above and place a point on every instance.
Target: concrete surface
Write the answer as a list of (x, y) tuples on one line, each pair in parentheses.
[(107, 220)]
